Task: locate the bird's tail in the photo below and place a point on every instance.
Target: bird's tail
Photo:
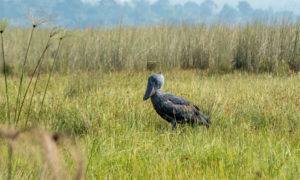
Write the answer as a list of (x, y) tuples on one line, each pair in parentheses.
[(203, 120)]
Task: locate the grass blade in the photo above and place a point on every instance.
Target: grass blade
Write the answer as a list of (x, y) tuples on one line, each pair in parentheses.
[(9, 166)]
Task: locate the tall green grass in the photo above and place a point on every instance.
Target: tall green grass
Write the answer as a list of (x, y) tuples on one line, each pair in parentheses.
[(254, 131), (6, 133), (21, 96)]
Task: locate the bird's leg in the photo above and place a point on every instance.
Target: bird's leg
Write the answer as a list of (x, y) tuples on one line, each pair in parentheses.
[(173, 124), (193, 124), (207, 125), (204, 123)]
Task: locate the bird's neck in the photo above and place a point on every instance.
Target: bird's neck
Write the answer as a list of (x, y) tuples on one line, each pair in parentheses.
[(155, 98), (156, 93)]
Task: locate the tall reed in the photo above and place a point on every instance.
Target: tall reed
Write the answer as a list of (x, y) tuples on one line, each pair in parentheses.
[(31, 78), (9, 165), (53, 32), (295, 61), (35, 23), (256, 47), (3, 25), (22, 75), (62, 35)]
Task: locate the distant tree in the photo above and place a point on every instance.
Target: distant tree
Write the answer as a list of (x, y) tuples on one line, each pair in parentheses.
[(69, 12), (244, 8), (79, 13), (162, 9), (110, 12), (228, 13), (192, 9), (207, 8), (141, 12)]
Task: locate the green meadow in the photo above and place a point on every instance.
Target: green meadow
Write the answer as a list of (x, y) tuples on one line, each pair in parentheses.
[(94, 124)]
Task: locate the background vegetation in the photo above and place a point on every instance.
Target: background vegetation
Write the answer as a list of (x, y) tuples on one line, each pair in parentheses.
[(222, 48), (91, 13)]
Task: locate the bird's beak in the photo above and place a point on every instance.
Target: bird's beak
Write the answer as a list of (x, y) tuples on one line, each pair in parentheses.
[(149, 91)]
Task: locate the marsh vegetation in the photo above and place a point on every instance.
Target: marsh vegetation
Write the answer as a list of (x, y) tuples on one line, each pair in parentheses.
[(244, 78)]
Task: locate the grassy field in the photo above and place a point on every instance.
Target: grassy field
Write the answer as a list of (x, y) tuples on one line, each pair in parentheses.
[(254, 132), (93, 123)]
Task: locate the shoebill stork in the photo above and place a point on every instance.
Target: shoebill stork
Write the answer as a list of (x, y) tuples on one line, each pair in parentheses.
[(172, 108)]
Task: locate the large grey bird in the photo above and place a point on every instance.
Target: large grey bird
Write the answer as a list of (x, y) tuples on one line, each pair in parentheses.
[(172, 108)]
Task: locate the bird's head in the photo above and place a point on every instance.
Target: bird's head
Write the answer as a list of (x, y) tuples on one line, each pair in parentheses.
[(155, 82)]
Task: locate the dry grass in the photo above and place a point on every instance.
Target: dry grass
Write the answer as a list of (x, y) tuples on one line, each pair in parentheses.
[(38, 147), (221, 48)]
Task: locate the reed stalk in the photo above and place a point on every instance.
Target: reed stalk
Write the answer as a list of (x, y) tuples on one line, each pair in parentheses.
[(22, 75), (5, 77), (50, 74), (9, 165), (31, 98), (31, 78)]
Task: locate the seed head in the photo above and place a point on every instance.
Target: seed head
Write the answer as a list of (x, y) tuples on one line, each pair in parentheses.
[(63, 34), (35, 19), (54, 31), (3, 25)]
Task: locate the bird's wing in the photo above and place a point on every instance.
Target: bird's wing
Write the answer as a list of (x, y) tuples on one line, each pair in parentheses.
[(180, 101), (182, 109), (177, 107), (176, 100)]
